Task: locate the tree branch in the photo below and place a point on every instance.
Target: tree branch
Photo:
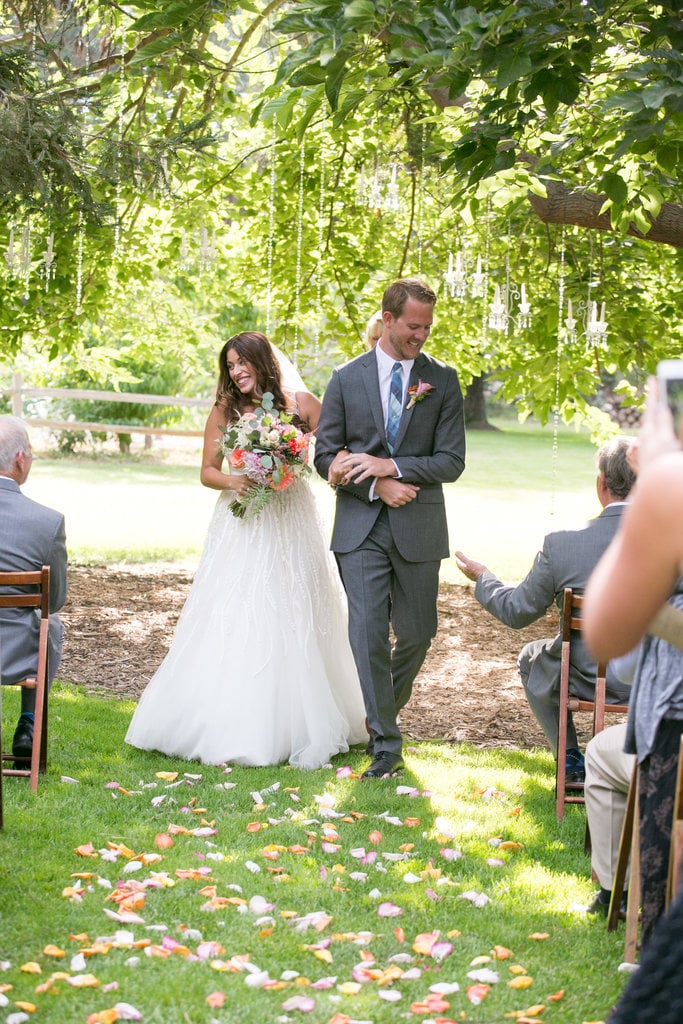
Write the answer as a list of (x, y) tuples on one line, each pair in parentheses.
[(565, 206)]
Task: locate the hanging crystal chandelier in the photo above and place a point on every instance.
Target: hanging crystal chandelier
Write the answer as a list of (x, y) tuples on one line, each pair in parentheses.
[(596, 327), (455, 277), (500, 316)]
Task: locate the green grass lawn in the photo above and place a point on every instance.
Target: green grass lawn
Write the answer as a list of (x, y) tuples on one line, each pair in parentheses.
[(142, 509), (286, 895), (277, 885)]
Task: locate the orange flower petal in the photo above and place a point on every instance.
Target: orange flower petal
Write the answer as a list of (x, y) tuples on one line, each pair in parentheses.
[(216, 999)]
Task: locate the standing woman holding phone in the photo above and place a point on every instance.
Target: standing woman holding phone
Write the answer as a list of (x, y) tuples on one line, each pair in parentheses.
[(642, 570)]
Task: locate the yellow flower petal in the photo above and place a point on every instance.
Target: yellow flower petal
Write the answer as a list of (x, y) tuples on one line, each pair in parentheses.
[(523, 981)]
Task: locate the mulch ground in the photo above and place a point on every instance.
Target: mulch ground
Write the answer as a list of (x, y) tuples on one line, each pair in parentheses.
[(119, 624)]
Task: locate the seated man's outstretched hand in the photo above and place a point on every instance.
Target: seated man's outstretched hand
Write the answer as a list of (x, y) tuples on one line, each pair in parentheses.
[(468, 566)]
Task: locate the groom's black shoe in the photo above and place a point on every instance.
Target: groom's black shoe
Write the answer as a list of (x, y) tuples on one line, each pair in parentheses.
[(384, 764)]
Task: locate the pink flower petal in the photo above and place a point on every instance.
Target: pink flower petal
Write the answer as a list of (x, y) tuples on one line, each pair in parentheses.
[(303, 1003), (388, 910)]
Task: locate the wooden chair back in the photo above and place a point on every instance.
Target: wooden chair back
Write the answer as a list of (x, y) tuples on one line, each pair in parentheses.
[(570, 627)]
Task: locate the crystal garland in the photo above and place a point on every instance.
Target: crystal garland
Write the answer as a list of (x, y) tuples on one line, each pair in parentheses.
[(271, 232), (79, 264), (119, 144), (554, 461), (321, 236), (299, 238), (420, 199)]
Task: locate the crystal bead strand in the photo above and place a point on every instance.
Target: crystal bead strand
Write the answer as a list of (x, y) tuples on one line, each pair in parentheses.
[(299, 238)]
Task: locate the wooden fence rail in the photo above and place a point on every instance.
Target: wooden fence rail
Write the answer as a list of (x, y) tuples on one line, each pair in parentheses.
[(19, 393)]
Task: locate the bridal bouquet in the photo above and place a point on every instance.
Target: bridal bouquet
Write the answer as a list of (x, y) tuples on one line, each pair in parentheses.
[(269, 449)]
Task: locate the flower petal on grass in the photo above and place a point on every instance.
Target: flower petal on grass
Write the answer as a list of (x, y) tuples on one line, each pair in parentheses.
[(485, 975), (521, 981), (388, 909), (477, 993), (477, 899), (390, 995), (302, 1003)]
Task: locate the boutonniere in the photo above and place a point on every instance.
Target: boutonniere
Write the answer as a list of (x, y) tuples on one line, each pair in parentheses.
[(418, 391)]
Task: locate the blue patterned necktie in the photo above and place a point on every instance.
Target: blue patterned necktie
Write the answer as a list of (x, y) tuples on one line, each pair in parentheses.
[(395, 405)]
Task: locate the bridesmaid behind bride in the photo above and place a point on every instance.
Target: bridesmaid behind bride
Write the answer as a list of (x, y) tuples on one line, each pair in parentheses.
[(260, 670)]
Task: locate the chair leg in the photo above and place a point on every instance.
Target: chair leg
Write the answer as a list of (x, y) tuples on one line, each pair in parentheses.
[(39, 751), (561, 764), (626, 843), (633, 902), (2, 822)]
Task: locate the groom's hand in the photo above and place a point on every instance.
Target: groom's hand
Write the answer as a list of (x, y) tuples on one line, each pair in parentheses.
[(359, 466), (394, 492)]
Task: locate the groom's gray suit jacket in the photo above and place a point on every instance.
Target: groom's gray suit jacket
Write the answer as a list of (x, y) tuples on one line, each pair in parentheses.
[(429, 451), (31, 536), (567, 559)]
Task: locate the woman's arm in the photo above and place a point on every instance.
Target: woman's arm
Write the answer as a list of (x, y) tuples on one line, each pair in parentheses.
[(309, 409), (211, 474)]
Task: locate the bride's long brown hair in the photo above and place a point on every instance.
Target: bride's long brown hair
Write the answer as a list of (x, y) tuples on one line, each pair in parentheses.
[(254, 348)]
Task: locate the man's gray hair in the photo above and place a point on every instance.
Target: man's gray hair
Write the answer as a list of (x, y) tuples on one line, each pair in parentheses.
[(613, 464), (13, 439)]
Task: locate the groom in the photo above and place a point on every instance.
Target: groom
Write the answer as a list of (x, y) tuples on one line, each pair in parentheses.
[(391, 432)]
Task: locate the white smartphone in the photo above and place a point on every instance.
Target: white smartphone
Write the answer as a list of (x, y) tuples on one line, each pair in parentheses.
[(670, 381)]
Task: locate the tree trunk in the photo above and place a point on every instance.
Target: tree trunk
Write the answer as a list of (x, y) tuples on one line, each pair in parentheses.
[(475, 406)]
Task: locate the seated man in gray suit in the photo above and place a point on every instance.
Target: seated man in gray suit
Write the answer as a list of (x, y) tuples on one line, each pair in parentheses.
[(566, 560), (31, 536)]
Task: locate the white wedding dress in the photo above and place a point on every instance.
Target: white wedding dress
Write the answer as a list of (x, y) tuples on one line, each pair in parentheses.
[(260, 670)]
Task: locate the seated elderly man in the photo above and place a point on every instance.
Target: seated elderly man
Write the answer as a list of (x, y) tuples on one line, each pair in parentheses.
[(566, 560), (31, 536)]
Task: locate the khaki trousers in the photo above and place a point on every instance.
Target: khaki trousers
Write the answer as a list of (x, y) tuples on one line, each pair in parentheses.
[(608, 777)]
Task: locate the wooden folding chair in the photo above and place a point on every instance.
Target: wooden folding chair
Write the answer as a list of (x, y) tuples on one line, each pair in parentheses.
[(31, 590), (629, 847), (571, 624)]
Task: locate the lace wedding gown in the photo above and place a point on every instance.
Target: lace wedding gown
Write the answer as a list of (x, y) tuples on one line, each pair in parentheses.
[(260, 670)]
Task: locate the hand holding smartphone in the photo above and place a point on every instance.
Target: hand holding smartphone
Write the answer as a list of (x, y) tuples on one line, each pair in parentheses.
[(670, 384)]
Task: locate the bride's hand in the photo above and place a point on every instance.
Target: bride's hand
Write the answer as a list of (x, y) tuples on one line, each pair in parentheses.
[(240, 484)]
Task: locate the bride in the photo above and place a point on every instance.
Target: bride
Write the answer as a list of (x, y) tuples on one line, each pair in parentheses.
[(260, 670)]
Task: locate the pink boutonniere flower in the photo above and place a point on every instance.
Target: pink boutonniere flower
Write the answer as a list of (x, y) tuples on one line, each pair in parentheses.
[(418, 391)]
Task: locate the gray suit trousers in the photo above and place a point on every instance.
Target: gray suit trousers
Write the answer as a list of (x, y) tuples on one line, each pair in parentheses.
[(383, 588)]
